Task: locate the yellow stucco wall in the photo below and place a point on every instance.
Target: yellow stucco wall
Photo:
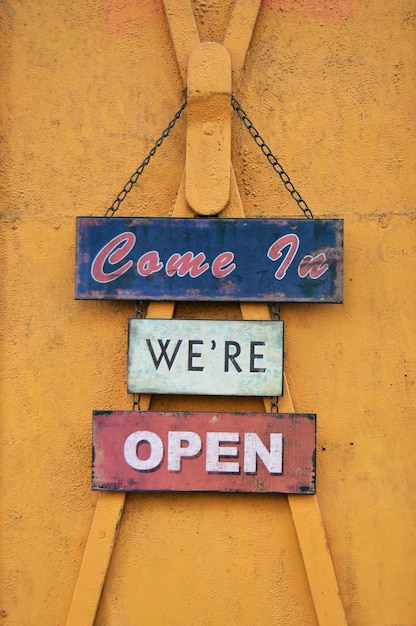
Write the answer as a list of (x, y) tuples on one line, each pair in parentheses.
[(87, 87)]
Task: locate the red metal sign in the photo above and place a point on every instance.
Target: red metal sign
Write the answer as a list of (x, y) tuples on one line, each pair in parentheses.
[(189, 451)]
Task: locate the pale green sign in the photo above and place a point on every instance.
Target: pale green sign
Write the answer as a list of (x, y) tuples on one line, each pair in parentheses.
[(205, 357)]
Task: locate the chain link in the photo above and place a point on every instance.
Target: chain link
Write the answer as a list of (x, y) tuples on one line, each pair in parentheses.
[(139, 309), (133, 178), (274, 404), (271, 158), (275, 311), (274, 400), (136, 402)]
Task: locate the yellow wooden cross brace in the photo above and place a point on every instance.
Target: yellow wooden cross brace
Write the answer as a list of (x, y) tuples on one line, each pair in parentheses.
[(208, 187)]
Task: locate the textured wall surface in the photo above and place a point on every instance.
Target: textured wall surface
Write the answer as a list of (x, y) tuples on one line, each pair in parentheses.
[(86, 88)]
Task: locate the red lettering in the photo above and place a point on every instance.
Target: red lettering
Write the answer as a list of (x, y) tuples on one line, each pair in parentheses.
[(275, 252), (315, 266), (187, 263), (113, 252), (219, 265), (149, 263)]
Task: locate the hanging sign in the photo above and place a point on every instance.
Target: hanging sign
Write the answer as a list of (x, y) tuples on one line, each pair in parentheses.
[(184, 451), (206, 357), (271, 260)]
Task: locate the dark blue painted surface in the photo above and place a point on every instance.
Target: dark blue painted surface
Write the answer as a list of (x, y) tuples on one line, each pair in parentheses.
[(249, 240)]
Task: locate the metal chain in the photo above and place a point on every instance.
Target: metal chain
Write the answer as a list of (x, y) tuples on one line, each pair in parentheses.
[(139, 309), (271, 158), (275, 311), (274, 404), (136, 402), (133, 178), (274, 400)]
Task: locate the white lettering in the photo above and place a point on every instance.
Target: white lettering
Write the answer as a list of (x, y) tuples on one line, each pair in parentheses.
[(188, 444), (156, 450), (272, 459), (176, 451), (215, 451)]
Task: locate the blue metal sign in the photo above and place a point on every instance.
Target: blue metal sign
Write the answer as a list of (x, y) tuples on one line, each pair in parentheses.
[(271, 260)]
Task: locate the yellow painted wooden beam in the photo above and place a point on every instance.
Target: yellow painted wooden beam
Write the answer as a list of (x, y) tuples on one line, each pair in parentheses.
[(183, 31), (208, 140), (235, 207), (239, 33), (109, 507), (313, 545), (97, 554), (306, 516), (104, 528)]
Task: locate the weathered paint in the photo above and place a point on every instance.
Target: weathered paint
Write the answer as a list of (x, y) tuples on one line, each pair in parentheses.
[(205, 357), (331, 86), (211, 451), (219, 259)]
